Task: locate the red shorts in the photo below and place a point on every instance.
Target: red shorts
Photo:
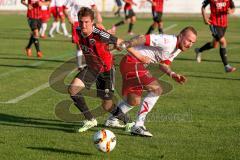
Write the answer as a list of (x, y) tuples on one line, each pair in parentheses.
[(75, 37), (57, 12), (134, 76), (45, 16)]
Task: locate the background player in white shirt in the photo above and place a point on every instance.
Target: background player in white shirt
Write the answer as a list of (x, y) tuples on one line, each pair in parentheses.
[(57, 9), (161, 49), (71, 10)]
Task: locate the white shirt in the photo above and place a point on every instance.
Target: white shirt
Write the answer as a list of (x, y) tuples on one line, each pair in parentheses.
[(75, 5), (159, 47)]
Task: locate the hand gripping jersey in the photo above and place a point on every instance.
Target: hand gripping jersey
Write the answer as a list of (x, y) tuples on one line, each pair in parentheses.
[(159, 48)]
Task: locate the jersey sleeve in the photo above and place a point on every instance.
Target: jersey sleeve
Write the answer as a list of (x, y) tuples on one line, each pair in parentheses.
[(205, 3), (155, 40), (105, 36)]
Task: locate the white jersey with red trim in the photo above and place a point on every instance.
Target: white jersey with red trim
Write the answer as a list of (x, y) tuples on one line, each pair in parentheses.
[(160, 48), (52, 3), (60, 3), (75, 5)]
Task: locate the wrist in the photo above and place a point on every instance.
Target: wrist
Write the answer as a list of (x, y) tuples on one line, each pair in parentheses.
[(171, 74)]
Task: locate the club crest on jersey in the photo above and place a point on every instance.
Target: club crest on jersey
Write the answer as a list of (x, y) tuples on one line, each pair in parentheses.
[(92, 41)]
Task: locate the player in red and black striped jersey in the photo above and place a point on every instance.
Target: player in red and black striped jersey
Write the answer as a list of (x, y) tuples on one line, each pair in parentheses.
[(94, 43), (157, 11), (218, 22), (130, 16), (34, 15)]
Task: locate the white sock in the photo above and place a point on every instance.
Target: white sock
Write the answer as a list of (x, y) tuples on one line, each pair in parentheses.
[(53, 27), (65, 32), (125, 107), (43, 29), (58, 26), (146, 106)]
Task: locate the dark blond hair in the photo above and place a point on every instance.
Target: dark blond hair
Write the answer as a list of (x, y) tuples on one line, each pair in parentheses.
[(85, 12)]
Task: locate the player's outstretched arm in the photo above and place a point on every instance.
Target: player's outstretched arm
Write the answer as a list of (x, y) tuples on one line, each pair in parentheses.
[(177, 77), (135, 41)]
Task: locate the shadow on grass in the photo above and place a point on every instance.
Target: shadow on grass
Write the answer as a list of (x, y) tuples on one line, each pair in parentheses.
[(56, 150), (13, 120)]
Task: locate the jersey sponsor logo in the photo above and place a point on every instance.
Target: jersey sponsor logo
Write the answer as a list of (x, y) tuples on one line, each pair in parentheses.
[(221, 5), (92, 41)]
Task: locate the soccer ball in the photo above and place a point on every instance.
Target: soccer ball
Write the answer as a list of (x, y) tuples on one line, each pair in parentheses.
[(104, 140)]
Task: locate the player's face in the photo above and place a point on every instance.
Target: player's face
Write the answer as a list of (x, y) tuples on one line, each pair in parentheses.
[(187, 40), (86, 24)]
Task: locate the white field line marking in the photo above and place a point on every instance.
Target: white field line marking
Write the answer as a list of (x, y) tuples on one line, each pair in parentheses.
[(28, 94), (170, 27), (32, 91)]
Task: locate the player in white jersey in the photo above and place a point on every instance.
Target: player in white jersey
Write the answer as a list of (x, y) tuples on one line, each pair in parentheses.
[(72, 8), (57, 10), (160, 49)]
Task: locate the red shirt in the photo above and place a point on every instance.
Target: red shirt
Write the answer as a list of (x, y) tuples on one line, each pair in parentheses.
[(159, 5), (128, 6), (95, 49), (35, 12), (219, 8)]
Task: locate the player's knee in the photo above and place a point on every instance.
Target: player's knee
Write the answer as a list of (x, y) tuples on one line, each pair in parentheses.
[(73, 90), (158, 90), (134, 102)]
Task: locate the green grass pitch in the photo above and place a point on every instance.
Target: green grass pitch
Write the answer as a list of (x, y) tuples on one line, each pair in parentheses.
[(199, 120)]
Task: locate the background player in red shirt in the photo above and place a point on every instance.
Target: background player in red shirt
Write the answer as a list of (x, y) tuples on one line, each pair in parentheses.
[(94, 43), (34, 15), (157, 11), (218, 22), (130, 17)]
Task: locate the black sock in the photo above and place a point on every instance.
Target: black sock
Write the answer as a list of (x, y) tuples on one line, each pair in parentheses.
[(80, 103), (150, 30), (36, 43), (117, 112), (130, 27), (160, 30), (223, 54), (31, 41), (119, 23), (206, 47)]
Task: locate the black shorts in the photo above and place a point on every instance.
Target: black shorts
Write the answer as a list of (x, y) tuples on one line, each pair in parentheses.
[(157, 16), (129, 13), (104, 82), (217, 32), (34, 23), (119, 3)]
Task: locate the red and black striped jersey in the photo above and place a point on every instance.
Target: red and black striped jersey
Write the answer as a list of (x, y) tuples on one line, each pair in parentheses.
[(128, 4), (158, 5), (95, 48), (219, 11), (35, 12)]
